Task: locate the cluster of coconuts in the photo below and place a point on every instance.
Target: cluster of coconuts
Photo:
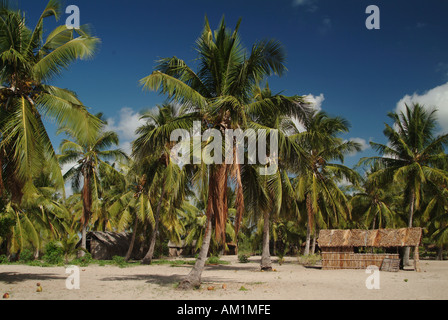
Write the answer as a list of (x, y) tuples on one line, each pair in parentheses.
[(39, 289)]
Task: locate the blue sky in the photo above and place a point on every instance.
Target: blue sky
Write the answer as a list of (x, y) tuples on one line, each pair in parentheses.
[(351, 71)]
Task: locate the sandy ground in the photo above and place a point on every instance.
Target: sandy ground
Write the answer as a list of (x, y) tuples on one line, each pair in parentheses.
[(290, 281)]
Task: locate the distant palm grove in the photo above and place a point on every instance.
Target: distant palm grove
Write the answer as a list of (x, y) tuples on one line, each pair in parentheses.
[(213, 207)]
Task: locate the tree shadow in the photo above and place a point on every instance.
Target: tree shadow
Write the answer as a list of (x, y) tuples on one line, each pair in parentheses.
[(15, 277), (242, 267), (172, 279), (313, 267), (162, 280)]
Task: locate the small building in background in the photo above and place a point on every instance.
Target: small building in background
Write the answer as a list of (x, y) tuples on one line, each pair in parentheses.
[(106, 245), (181, 249), (341, 248)]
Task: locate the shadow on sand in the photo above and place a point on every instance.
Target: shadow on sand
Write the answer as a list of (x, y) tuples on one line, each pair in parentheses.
[(15, 277), (172, 279)]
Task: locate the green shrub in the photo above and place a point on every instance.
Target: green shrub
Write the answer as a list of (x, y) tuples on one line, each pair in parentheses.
[(83, 261), (35, 263), (161, 250), (53, 254), (173, 263), (26, 255), (310, 260), (119, 261), (243, 258), (4, 259), (5, 226), (102, 263), (213, 260)]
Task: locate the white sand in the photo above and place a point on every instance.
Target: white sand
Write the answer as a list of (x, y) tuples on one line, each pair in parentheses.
[(290, 281)]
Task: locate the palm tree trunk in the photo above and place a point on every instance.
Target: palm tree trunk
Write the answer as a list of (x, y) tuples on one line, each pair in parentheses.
[(313, 244), (266, 263), (216, 210), (149, 255), (86, 208), (131, 245), (440, 252), (309, 207), (2, 186), (82, 253), (407, 250), (274, 247), (193, 280), (15, 188), (374, 222)]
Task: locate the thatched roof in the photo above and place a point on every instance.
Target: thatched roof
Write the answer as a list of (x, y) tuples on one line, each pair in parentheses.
[(407, 237)]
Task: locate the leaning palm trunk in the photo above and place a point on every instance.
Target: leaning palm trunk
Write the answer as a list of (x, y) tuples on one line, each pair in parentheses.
[(86, 211), (266, 263), (440, 252), (309, 207), (83, 241), (407, 250), (308, 241), (313, 244), (193, 280), (131, 245), (149, 255), (217, 211), (2, 187)]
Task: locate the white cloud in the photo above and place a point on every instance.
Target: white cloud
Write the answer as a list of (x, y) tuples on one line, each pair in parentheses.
[(325, 26), (364, 145), (126, 147), (309, 4), (125, 126), (68, 185), (301, 2), (315, 103), (67, 166), (434, 98), (128, 122)]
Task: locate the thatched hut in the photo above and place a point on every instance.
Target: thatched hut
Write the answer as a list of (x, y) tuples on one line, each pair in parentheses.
[(338, 248), (106, 245), (181, 249)]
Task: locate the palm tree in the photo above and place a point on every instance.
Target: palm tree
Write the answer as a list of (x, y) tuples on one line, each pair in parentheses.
[(194, 221), (435, 213), (275, 195), (28, 62), (40, 217), (90, 156), (412, 156), (219, 94), (317, 181), (374, 204), (151, 151), (133, 207)]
